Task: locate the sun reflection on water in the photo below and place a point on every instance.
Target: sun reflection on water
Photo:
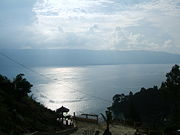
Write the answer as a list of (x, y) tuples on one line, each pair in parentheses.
[(62, 89), (84, 88)]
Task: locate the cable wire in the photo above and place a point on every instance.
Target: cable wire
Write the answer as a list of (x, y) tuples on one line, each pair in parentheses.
[(44, 76)]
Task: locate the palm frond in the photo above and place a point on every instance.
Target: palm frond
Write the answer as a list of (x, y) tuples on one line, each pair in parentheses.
[(104, 117)]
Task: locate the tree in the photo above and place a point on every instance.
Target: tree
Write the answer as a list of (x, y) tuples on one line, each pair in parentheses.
[(119, 98), (132, 114), (171, 87), (153, 105), (171, 92), (5, 83), (22, 85)]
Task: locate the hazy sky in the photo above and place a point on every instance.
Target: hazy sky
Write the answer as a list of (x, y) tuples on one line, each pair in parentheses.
[(91, 24)]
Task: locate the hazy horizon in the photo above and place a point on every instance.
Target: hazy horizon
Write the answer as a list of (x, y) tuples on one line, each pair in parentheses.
[(79, 49), (77, 57)]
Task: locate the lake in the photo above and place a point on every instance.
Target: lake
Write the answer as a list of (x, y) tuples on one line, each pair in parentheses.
[(88, 89)]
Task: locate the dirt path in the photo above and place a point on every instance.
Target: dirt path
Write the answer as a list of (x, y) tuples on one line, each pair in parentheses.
[(89, 129)]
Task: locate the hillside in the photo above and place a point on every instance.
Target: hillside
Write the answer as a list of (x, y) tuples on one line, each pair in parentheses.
[(20, 113)]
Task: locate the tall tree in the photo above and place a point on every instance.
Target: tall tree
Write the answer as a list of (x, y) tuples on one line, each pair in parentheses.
[(171, 91), (22, 85)]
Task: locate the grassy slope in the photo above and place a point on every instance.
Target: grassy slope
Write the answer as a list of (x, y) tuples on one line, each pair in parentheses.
[(24, 115)]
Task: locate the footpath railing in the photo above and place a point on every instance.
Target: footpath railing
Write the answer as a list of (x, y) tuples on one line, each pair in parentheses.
[(92, 118)]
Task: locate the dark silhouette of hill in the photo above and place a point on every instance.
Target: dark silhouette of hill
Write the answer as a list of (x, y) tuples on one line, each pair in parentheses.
[(87, 57), (20, 113)]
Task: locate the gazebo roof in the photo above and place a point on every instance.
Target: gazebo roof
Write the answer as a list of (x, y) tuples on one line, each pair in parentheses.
[(62, 109)]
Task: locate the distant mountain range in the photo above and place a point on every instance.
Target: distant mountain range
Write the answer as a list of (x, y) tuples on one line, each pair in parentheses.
[(86, 57)]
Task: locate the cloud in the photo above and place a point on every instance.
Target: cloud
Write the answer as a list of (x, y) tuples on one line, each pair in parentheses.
[(95, 24), (93, 29), (126, 40)]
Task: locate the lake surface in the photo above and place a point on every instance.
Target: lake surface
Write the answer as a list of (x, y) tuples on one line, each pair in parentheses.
[(88, 89)]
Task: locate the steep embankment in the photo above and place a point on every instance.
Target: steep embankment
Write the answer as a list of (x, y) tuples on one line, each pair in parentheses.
[(19, 113)]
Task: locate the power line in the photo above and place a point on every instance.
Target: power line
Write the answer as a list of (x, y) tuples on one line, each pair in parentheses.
[(44, 76), (22, 65)]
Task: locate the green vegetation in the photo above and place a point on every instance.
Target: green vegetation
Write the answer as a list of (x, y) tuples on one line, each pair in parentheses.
[(19, 113), (157, 108)]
